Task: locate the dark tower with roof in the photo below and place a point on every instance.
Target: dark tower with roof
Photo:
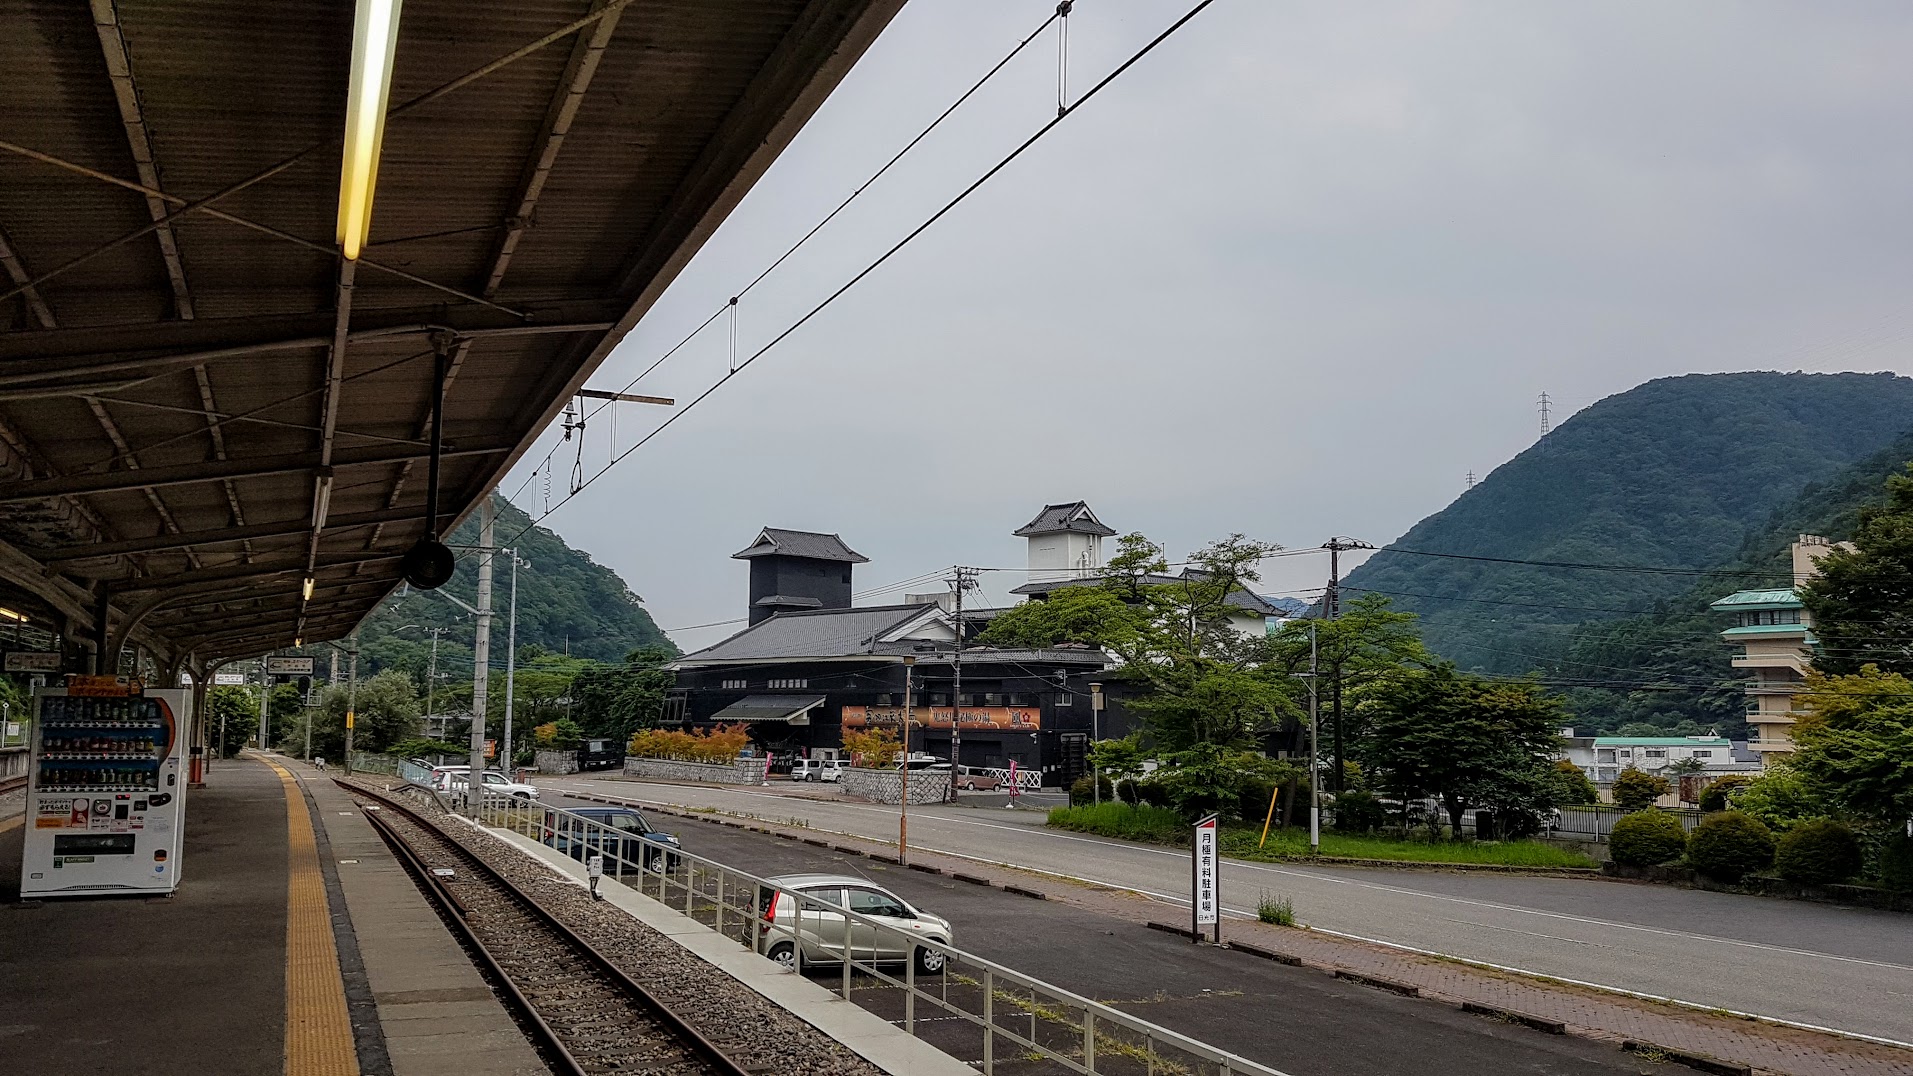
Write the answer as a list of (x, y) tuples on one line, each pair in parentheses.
[(797, 570)]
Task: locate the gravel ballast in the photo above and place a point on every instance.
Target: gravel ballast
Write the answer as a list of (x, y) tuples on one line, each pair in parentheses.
[(756, 1033)]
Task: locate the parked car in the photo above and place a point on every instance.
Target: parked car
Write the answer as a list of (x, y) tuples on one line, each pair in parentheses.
[(976, 779), (634, 841), (824, 932), (455, 778), (816, 769)]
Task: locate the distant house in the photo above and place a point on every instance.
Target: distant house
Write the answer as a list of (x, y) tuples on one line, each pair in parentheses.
[(1774, 632)]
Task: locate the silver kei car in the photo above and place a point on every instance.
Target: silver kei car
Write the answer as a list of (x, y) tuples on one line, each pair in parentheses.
[(825, 932)]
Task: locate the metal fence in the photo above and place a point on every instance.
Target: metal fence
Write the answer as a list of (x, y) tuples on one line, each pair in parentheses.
[(1594, 823), (969, 1007)]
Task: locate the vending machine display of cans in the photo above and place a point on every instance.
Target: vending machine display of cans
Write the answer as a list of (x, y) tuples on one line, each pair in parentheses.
[(105, 799)]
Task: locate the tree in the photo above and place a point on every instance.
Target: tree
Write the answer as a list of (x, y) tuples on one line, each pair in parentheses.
[(1199, 680), (1636, 790), (617, 700), (387, 713), (232, 712), (1366, 645), (1470, 742), (1862, 600), (1856, 742), (873, 748), (1572, 787), (1781, 797)]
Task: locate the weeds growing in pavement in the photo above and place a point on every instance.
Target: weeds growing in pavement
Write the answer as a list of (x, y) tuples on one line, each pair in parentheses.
[(1273, 909)]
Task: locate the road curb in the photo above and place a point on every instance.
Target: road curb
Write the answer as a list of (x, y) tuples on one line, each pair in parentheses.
[(1703, 1062), (1022, 892), (1539, 1023), (1407, 990), (1265, 954), (1171, 928)]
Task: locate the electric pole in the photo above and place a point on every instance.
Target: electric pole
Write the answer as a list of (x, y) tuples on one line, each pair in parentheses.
[(903, 778), (265, 698), (1331, 607), (964, 580), (481, 655)]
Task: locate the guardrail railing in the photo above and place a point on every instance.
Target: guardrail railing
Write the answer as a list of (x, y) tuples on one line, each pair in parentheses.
[(972, 1008)]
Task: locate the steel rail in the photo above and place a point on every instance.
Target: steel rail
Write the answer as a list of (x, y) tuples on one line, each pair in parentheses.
[(706, 1050)]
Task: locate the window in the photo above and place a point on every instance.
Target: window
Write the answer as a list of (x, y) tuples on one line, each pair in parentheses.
[(966, 700), (991, 698), (775, 685), (939, 698), (734, 685), (1703, 753), (871, 902), (1656, 752), (1017, 698), (1064, 698), (1606, 754), (884, 700)]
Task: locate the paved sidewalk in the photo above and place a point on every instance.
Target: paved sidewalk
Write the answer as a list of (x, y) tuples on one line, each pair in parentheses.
[(1765, 1047)]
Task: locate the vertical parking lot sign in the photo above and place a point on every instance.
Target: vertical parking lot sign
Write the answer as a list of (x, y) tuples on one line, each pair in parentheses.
[(1205, 898)]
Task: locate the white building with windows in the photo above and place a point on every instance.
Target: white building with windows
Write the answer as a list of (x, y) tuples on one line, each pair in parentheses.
[(1658, 754)]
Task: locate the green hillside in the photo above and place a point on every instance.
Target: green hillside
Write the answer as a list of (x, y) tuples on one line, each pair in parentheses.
[(1670, 668), (567, 604), (1673, 475)]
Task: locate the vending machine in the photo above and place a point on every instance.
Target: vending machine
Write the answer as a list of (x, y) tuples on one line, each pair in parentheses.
[(105, 803)]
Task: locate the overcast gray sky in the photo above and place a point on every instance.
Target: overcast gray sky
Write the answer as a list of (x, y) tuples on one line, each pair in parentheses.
[(1294, 275)]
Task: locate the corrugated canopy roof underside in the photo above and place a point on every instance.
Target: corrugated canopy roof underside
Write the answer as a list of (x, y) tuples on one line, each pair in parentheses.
[(169, 401)]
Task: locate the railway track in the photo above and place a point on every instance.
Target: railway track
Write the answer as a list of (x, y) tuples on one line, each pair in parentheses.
[(13, 784), (583, 1011)]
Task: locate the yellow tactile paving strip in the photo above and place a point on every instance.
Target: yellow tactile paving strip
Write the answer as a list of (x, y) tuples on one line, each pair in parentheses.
[(318, 1030)]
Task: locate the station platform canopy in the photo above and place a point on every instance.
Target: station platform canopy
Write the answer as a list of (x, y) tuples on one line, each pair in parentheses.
[(214, 425)]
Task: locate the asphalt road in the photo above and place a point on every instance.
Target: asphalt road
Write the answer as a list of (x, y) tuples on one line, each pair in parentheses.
[(1299, 1020), (1819, 965)]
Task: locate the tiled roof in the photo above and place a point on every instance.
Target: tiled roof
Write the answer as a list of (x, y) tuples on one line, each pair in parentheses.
[(793, 601), (1758, 599), (824, 633), (1241, 599), (811, 545), (768, 708), (1058, 518)]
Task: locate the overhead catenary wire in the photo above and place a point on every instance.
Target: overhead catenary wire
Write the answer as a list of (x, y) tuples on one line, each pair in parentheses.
[(731, 305), (881, 259)]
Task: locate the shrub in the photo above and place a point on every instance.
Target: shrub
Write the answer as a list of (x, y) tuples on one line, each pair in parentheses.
[(1895, 861), (1359, 812), (1781, 797), (1820, 852), (1635, 790), (1571, 786), (1152, 794), (1129, 792), (1082, 792), (1646, 838), (1715, 797), (1730, 845)]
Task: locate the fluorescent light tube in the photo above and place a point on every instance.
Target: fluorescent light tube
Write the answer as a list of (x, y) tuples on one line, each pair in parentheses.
[(375, 35)]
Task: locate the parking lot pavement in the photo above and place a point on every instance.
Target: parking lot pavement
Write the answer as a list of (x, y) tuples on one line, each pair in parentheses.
[(1300, 1020)]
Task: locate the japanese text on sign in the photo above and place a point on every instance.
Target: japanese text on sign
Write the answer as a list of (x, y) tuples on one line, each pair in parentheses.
[(1206, 898)]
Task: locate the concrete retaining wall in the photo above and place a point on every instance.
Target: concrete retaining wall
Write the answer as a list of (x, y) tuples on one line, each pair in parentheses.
[(745, 771), (886, 786), (555, 762)]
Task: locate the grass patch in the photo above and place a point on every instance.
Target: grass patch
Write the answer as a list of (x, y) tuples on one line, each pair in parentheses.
[(1273, 909), (1160, 825)]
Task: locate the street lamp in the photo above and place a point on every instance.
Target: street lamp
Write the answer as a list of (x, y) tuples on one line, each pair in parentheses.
[(1095, 734)]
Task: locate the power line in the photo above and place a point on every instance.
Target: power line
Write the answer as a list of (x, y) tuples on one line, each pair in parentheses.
[(1061, 115)]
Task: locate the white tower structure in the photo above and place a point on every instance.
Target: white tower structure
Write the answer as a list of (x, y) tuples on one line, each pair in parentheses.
[(1066, 542)]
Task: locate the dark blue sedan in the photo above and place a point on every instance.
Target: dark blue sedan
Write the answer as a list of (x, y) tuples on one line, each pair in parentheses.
[(634, 840)]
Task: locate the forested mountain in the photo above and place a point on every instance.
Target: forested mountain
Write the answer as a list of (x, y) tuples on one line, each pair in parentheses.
[(1670, 668), (567, 604), (1673, 476)]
